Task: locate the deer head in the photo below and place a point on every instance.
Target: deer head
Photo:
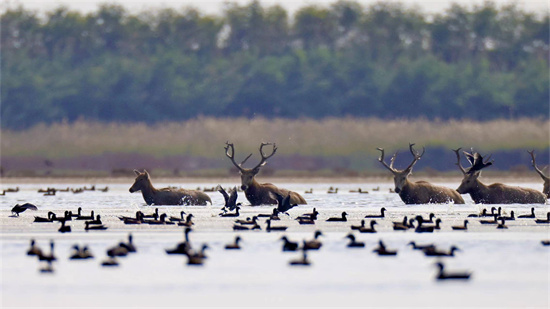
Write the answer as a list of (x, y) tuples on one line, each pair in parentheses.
[(469, 182), (141, 181), (247, 174), (400, 177)]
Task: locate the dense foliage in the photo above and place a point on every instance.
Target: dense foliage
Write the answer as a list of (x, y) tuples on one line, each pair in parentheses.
[(385, 60)]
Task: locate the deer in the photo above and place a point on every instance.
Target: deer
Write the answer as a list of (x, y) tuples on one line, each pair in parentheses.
[(166, 196), (546, 179), (255, 192), (496, 193), (419, 192)]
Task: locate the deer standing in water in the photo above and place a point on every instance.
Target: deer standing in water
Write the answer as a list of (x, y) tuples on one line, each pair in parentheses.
[(166, 196), (256, 193), (496, 193), (546, 188), (420, 192)]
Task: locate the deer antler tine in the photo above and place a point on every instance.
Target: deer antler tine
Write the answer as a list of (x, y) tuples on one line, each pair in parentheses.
[(381, 160), (245, 159), (231, 156), (457, 151)]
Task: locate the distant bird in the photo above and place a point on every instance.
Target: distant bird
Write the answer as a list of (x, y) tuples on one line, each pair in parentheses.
[(442, 275), (303, 261), (48, 257), (17, 209), (117, 250), (547, 220), (96, 221), (332, 190), (368, 229), (248, 221), (34, 250), (494, 221), (50, 218), (48, 268), (149, 216), (273, 216), (241, 227), (311, 215), (96, 227), (431, 216), (502, 224), (231, 214), (230, 199), (382, 250), (545, 242), (422, 229), (310, 191), (435, 252), (339, 219), (283, 202), (353, 243), (356, 227), (529, 216), (381, 215), (461, 227), (129, 245), (196, 258), (235, 245), (110, 262), (182, 247), (313, 244), (137, 220), (176, 219), (508, 218), (81, 253), (421, 247), (482, 214), (90, 217), (270, 228), (64, 228), (78, 213), (302, 220), (289, 245), (188, 221)]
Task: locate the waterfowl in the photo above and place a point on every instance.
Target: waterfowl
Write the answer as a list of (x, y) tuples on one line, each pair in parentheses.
[(129, 220), (543, 220), (90, 217), (301, 262), (194, 259), (482, 214), (67, 216), (376, 189), (188, 222), (442, 275), (502, 224), (430, 219), (106, 189), (117, 251), (306, 221), (270, 228), (508, 218), (283, 203), (95, 227), (313, 244), (129, 245), (289, 245), (111, 261), (338, 219), (545, 242), (234, 245), (80, 254), (494, 221), (435, 252), (368, 229), (273, 216), (381, 215), (230, 199), (17, 209), (461, 227), (356, 227), (530, 216), (485, 214), (353, 243), (176, 219), (96, 221), (436, 226), (64, 228), (51, 217), (382, 250), (231, 214), (311, 215), (160, 221), (154, 215), (359, 191), (310, 191), (403, 226), (421, 247), (423, 229), (240, 227), (48, 268), (182, 247), (48, 257), (34, 250), (332, 190), (248, 221)]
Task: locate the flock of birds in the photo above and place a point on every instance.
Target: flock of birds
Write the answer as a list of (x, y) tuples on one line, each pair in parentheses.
[(418, 224)]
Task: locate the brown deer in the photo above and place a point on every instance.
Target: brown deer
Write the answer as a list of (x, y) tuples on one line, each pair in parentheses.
[(256, 193), (420, 192), (496, 193), (546, 188), (166, 196)]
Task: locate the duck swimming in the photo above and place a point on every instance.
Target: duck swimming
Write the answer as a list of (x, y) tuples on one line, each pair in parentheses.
[(368, 229), (34, 250), (442, 275), (313, 244), (353, 243), (529, 216), (289, 245), (381, 215), (338, 219), (461, 227), (235, 245)]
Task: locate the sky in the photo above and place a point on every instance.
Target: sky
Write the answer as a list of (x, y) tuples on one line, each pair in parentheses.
[(216, 6)]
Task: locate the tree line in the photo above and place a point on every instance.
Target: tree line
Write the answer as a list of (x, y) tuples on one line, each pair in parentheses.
[(385, 60)]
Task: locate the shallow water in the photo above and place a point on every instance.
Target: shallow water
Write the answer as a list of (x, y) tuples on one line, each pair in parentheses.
[(510, 267)]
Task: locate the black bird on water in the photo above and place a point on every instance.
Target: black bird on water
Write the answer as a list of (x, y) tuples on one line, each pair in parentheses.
[(17, 209), (442, 275)]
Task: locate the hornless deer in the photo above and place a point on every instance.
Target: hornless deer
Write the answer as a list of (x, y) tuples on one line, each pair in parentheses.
[(496, 193), (420, 192), (166, 196), (256, 193), (546, 188)]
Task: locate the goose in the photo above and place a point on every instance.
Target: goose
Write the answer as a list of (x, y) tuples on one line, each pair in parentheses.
[(241, 227), (64, 228), (430, 219), (289, 245), (545, 242), (485, 214), (137, 220), (109, 262), (353, 243), (80, 254), (302, 261), (404, 221), (34, 250), (90, 217), (368, 229), (129, 245), (442, 275), (482, 214), (188, 222), (356, 227), (248, 221), (230, 199), (311, 215), (273, 216), (359, 191), (310, 191), (547, 220), (117, 251), (381, 215), (176, 219), (182, 247), (160, 221), (196, 258), (529, 216), (78, 213), (234, 245), (48, 257), (67, 216), (100, 227), (382, 250), (306, 221), (50, 218), (48, 268), (435, 252), (494, 221), (422, 229), (508, 218), (338, 219), (421, 247), (231, 214), (153, 215), (403, 226), (502, 224), (96, 221), (17, 209), (283, 203), (332, 190), (461, 227), (270, 228), (436, 226), (313, 244)]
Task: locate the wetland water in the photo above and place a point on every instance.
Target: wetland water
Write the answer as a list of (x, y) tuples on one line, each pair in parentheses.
[(510, 267)]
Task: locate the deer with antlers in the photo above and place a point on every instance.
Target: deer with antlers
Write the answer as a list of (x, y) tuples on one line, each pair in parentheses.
[(256, 193), (420, 192), (546, 188), (496, 193)]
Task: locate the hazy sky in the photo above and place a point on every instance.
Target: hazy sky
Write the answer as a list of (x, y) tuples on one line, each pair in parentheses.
[(216, 6)]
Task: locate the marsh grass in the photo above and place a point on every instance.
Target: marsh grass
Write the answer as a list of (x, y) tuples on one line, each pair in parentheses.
[(205, 137)]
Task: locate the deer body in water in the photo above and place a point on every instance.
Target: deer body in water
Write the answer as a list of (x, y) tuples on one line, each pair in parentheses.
[(256, 193), (420, 192), (166, 196), (496, 193)]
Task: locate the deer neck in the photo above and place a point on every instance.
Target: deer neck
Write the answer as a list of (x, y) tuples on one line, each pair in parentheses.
[(149, 192), (480, 192), (253, 192)]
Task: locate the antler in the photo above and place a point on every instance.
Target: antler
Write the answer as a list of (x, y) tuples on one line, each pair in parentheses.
[(381, 160), (462, 169), (228, 147), (416, 156), (532, 153), (264, 157)]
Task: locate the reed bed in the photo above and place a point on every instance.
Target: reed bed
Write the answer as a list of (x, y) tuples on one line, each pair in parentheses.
[(205, 137)]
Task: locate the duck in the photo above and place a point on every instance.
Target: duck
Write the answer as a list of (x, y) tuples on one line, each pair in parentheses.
[(461, 227), (529, 216), (230, 199), (382, 250), (110, 262), (160, 221), (235, 245), (50, 218), (435, 252), (310, 191), (421, 247), (90, 217), (368, 229), (80, 254), (48, 257), (403, 226), (502, 224), (231, 214), (303, 261), (182, 247), (154, 215), (332, 190), (313, 244), (248, 221), (311, 215), (494, 221), (176, 219), (442, 275), (270, 228), (188, 221), (356, 227), (241, 227), (64, 228), (34, 250), (129, 245), (353, 243), (17, 209), (95, 227), (547, 220), (338, 219), (430, 219), (78, 213), (137, 220), (483, 213), (381, 215), (96, 221), (305, 221), (289, 245), (508, 218), (283, 202)]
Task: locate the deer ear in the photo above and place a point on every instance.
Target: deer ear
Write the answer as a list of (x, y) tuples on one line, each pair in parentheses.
[(145, 172), (137, 172)]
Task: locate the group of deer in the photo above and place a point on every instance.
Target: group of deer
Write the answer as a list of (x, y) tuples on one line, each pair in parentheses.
[(420, 192)]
